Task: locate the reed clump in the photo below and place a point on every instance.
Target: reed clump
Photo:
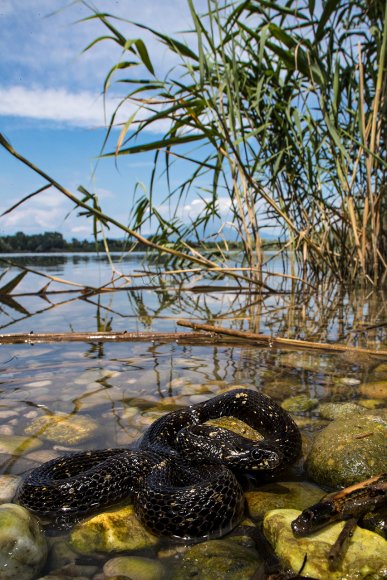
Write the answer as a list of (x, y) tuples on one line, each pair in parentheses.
[(278, 113)]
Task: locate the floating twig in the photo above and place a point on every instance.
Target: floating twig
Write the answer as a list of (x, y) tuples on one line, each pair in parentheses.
[(278, 341)]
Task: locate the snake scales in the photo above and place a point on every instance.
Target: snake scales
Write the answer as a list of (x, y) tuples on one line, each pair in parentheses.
[(181, 477)]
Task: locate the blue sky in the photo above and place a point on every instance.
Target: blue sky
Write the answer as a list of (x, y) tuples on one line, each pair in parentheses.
[(51, 109)]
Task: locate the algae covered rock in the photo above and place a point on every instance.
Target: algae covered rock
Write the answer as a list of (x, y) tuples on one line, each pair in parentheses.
[(339, 410), (218, 560), (134, 567), (292, 495), (111, 531), (366, 556), (61, 428), (23, 547), (299, 404), (348, 451), (374, 390)]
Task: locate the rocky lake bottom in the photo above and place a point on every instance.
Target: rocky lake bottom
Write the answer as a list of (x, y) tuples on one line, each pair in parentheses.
[(65, 397)]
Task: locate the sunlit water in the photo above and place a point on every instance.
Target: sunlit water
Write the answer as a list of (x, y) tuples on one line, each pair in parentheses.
[(121, 388)]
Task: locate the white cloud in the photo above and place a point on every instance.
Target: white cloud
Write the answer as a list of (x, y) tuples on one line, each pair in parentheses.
[(61, 106), (57, 105)]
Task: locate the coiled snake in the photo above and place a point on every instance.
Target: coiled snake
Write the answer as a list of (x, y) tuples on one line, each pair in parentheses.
[(181, 478)]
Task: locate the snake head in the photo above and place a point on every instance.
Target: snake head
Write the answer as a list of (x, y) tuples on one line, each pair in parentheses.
[(313, 518), (257, 456)]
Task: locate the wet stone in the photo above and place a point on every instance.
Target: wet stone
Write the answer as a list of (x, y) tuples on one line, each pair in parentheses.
[(94, 375), (70, 571), (6, 414), (339, 410), (134, 567), (348, 450), (366, 556), (39, 384), (374, 390), (23, 547), (17, 444), (60, 554), (8, 486), (349, 381), (41, 455), (291, 494), (308, 362), (371, 404), (111, 531), (7, 430), (63, 428), (299, 404), (277, 389), (218, 560)]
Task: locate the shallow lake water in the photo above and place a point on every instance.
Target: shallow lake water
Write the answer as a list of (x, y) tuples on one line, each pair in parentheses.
[(109, 393)]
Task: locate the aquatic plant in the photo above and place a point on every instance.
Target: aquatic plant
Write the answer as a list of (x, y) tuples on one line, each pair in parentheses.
[(280, 112)]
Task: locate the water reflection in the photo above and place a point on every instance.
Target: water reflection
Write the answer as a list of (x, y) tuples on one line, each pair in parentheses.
[(155, 302)]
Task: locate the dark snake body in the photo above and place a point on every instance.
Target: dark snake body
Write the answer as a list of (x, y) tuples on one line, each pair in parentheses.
[(182, 475)]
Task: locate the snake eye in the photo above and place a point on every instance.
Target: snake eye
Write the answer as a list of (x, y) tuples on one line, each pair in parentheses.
[(257, 454)]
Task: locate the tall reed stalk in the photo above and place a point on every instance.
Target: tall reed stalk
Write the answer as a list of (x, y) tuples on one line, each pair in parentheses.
[(281, 110)]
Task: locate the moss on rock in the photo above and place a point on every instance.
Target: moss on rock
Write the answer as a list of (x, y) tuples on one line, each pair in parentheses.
[(366, 556), (111, 531), (348, 451)]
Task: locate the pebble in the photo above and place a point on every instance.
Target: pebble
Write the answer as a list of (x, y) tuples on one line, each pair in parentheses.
[(194, 399), (39, 384), (134, 567), (349, 381), (31, 414), (6, 430), (17, 444), (95, 375), (62, 428), (7, 414), (42, 455), (23, 546), (8, 487)]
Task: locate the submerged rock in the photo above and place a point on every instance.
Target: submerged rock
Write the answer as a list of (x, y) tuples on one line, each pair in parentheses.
[(299, 404), (23, 547), (366, 556), (62, 428), (291, 494), (218, 560), (17, 444), (348, 451), (134, 567), (111, 531), (374, 390), (339, 410)]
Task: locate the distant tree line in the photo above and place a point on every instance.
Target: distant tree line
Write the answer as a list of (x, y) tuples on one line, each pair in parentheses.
[(55, 242)]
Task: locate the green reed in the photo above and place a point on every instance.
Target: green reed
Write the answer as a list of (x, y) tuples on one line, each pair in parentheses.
[(277, 108)]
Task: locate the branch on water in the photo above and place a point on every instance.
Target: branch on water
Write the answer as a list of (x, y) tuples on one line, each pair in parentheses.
[(277, 341), (44, 337)]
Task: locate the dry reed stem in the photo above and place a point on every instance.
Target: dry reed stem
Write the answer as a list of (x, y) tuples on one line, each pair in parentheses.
[(278, 341)]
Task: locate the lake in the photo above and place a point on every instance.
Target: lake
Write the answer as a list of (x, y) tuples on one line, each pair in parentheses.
[(74, 396)]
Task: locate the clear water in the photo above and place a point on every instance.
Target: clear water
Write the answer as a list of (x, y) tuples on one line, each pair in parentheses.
[(122, 387)]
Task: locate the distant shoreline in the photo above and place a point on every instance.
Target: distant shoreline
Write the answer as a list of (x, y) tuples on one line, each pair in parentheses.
[(53, 242)]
